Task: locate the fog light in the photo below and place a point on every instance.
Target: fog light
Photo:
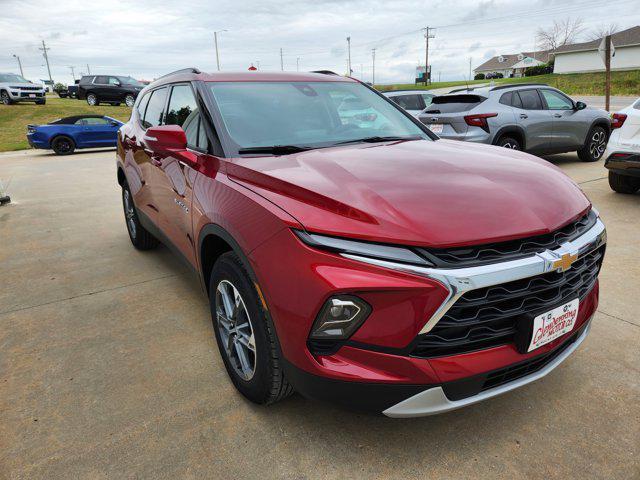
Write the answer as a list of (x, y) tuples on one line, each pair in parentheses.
[(339, 317)]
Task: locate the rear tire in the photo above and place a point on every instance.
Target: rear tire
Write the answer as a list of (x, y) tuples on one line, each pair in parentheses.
[(129, 100), (140, 236), (509, 142), (623, 183), (92, 99), (63, 145), (244, 334), (595, 146)]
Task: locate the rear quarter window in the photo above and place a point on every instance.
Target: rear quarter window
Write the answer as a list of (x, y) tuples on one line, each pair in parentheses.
[(454, 103)]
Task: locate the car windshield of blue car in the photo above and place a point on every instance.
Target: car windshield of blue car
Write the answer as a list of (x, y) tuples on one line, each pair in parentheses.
[(6, 78), (308, 115)]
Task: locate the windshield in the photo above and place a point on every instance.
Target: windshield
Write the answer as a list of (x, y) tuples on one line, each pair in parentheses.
[(307, 114), (10, 77), (130, 81)]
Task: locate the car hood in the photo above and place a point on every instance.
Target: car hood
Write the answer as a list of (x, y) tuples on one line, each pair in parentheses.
[(22, 84), (437, 194)]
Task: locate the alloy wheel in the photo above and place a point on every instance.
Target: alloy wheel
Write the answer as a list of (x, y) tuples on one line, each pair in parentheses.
[(598, 144), (91, 99), (510, 145), (63, 145), (5, 98), (129, 100), (236, 331), (129, 213)]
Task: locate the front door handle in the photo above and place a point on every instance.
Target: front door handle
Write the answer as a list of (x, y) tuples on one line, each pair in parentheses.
[(557, 115), (524, 116)]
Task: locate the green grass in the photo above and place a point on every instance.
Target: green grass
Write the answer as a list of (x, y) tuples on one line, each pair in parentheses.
[(15, 118), (622, 83)]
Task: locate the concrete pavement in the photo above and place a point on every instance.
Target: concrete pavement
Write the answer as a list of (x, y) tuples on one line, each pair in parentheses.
[(109, 368)]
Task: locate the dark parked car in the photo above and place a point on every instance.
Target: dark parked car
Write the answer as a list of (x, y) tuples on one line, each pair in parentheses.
[(63, 136), (113, 89), (72, 90)]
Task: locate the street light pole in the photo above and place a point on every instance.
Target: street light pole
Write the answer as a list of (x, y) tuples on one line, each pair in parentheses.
[(281, 61), (349, 71), (373, 72), (215, 40), (298, 64), (19, 64)]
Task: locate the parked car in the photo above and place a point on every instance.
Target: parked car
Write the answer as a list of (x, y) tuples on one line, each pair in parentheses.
[(622, 156), (370, 264), (531, 117), (72, 90), (113, 89), (413, 101), (15, 88), (65, 135)]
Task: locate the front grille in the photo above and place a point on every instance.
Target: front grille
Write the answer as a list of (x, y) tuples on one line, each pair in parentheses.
[(30, 89), (488, 317), (26, 95), (488, 253)]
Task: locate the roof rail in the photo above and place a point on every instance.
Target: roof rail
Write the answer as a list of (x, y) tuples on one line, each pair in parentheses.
[(465, 89), (509, 85), (324, 72), (182, 70)]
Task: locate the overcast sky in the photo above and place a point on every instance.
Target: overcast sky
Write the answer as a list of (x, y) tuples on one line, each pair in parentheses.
[(147, 38)]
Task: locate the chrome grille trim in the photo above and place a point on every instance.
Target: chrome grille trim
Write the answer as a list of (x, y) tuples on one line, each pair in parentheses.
[(461, 280)]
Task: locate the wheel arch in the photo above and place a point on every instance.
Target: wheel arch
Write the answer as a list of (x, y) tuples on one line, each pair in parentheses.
[(598, 122), (515, 131), (60, 135)]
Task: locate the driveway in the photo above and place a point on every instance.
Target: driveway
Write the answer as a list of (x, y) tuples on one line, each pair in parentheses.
[(109, 367)]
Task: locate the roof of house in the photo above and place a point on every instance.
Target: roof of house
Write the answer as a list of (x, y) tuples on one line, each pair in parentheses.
[(511, 59), (631, 36)]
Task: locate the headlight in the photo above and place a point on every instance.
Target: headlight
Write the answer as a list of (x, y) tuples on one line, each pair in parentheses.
[(364, 249), (339, 317)]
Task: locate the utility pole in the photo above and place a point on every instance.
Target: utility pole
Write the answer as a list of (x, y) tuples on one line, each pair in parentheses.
[(361, 71), (439, 73), (470, 68), (44, 49), (607, 65), (215, 41), (349, 71), (19, 64), (73, 73), (258, 64), (373, 72), (88, 70), (281, 61), (427, 36), (298, 64)]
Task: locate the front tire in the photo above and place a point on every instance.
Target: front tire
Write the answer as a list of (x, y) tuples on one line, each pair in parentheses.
[(509, 142), (6, 99), (41, 102), (63, 145), (623, 183), (596, 144), (140, 236), (92, 99), (244, 334)]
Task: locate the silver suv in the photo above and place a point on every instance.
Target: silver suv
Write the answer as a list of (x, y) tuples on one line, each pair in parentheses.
[(15, 88), (532, 117)]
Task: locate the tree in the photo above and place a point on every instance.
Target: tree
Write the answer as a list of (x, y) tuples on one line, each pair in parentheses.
[(562, 32), (602, 31)]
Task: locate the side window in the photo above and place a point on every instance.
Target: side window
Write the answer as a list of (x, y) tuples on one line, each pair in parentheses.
[(114, 81), (101, 80), (515, 100), (155, 109), (507, 99), (181, 105), (556, 101), (142, 105), (410, 102), (427, 97), (530, 99), (96, 121)]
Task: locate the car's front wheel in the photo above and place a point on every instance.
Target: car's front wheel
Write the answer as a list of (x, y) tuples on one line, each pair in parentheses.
[(509, 142), (129, 100), (63, 145), (245, 337), (595, 146), (140, 237), (623, 183), (92, 99), (6, 99)]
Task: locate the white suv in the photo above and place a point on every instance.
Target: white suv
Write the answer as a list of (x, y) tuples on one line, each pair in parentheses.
[(15, 88)]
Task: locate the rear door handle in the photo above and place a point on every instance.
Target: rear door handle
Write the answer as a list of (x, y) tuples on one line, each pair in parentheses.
[(524, 115)]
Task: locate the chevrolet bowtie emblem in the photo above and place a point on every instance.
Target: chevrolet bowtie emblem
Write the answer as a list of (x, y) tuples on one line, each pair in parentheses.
[(564, 262)]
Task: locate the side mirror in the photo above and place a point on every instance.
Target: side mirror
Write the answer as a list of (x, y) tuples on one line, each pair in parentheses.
[(166, 138), (581, 105)]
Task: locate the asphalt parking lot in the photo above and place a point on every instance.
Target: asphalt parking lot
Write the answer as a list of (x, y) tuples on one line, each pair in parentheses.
[(109, 368)]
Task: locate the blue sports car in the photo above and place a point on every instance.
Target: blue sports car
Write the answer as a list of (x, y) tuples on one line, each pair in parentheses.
[(63, 136)]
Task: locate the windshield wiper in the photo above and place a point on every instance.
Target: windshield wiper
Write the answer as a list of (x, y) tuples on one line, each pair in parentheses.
[(275, 149), (378, 139)]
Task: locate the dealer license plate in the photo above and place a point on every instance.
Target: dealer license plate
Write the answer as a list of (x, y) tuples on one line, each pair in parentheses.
[(553, 324), (32, 95), (435, 127)]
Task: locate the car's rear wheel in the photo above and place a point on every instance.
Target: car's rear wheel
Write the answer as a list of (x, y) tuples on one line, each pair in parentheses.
[(63, 145), (595, 146), (92, 99), (6, 99), (245, 337), (129, 100), (140, 237), (509, 142), (623, 183)]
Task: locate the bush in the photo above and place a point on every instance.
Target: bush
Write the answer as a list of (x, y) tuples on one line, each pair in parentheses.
[(59, 87), (479, 76), (543, 69)]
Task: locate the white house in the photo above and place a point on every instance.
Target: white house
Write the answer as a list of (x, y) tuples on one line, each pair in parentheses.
[(584, 57), (512, 65)]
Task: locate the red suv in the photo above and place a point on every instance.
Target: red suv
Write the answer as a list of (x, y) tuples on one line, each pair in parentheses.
[(351, 255)]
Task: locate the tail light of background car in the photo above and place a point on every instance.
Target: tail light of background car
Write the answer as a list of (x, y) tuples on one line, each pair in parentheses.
[(479, 120), (617, 120)]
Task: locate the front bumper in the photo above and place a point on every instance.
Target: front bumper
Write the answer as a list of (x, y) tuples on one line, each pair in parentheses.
[(25, 96), (628, 165)]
